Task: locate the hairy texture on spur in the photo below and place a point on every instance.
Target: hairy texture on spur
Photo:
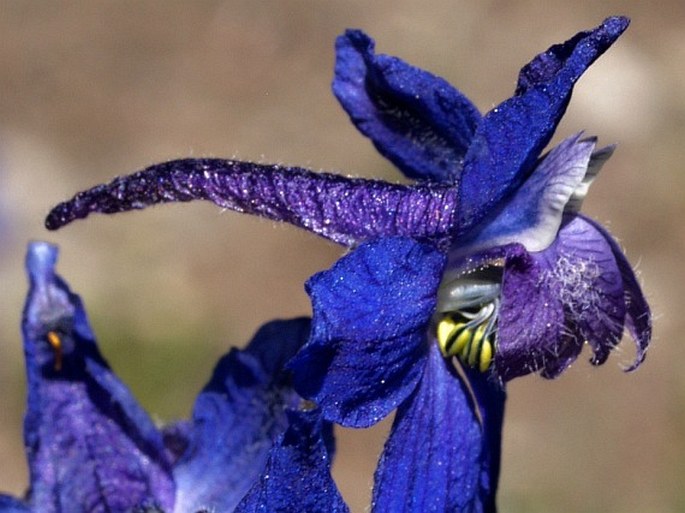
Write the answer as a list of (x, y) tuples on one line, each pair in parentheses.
[(344, 210)]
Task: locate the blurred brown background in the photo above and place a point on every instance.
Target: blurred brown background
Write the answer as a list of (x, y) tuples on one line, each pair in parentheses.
[(93, 89)]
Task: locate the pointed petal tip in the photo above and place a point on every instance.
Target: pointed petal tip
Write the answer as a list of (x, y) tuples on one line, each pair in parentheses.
[(642, 343), (62, 214), (639, 359), (591, 139), (616, 24), (41, 258), (51, 222), (356, 36)]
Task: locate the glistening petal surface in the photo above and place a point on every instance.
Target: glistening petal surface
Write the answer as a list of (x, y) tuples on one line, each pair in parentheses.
[(415, 119), (236, 419), (512, 135), (439, 457), (297, 477), (91, 448), (368, 344)]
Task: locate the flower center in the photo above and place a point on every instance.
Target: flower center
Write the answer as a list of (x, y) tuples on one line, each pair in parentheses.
[(468, 308)]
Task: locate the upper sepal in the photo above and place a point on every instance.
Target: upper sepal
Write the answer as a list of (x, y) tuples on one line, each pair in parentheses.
[(236, 419), (297, 477), (415, 119), (511, 136), (371, 310), (572, 57), (90, 446)]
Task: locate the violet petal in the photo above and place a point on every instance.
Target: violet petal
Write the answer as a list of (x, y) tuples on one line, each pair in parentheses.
[(236, 419), (11, 505), (591, 286), (533, 214), (90, 446), (531, 326), (638, 316)]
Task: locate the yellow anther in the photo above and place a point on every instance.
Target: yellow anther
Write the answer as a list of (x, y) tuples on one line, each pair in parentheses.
[(452, 336), (445, 328), (56, 344), (475, 345), (461, 340), (468, 343), (485, 355)]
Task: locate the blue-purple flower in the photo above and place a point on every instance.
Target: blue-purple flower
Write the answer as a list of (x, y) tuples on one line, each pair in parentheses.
[(486, 208), (485, 258), (91, 447)]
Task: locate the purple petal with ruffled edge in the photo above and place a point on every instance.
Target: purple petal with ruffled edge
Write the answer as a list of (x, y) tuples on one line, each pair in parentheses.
[(297, 477), (638, 318), (90, 446), (533, 215), (531, 332), (415, 119), (439, 456), (512, 135), (344, 210), (237, 418), (590, 286), (578, 290), (371, 314)]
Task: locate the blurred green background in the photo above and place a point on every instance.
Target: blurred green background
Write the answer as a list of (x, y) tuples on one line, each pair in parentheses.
[(94, 89)]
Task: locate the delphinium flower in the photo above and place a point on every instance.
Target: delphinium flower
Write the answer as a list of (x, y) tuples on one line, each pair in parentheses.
[(92, 448), (485, 258)]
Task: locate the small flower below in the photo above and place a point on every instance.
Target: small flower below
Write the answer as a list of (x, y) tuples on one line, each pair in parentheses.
[(92, 448)]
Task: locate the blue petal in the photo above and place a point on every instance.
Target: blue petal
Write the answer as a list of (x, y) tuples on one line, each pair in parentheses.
[(512, 135), (12, 505), (90, 446), (533, 215), (237, 417), (368, 344), (415, 119), (443, 452), (297, 476)]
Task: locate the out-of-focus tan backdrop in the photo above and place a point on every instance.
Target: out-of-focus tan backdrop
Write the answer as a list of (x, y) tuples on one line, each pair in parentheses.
[(94, 89)]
